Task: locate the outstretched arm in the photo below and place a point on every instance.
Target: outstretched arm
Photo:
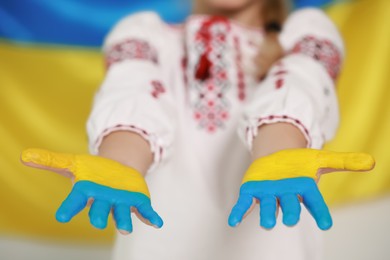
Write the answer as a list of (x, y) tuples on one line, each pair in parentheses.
[(295, 107), (131, 125)]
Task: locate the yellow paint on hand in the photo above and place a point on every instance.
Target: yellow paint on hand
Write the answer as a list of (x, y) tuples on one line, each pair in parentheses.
[(293, 163), (89, 168)]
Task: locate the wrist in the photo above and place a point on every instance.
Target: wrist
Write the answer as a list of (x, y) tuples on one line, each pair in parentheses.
[(127, 148), (275, 137)]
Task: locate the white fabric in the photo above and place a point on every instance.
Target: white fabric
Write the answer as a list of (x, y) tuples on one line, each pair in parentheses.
[(308, 95), (309, 21), (195, 185)]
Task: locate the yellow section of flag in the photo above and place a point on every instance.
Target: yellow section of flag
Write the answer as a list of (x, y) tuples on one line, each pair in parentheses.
[(364, 93), (45, 98)]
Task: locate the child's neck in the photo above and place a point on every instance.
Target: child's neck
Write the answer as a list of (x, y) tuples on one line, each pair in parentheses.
[(248, 15)]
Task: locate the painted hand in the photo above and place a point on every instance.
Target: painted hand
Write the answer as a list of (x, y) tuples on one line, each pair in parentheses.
[(288, 177), (107, 183)]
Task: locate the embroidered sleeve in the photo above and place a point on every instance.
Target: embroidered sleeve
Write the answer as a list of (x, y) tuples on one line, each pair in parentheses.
[(299, 89), (323, 51), (296, 92), (130, 49), (311, 33), (134, 94)]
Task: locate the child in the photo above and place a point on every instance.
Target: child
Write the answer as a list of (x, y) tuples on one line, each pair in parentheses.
[(170, 106)]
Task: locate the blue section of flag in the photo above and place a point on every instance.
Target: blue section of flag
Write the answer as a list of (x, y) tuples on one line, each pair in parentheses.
[(85, 22), (307, 3), (76, 22)]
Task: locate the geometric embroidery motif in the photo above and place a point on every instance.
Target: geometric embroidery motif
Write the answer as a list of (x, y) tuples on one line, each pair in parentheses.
[(158, 88), (279, 75), (210, 79), (241, 85), (323, 51), (130, 49)]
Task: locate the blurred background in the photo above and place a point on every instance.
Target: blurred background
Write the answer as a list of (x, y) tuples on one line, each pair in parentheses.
[(51, 65)]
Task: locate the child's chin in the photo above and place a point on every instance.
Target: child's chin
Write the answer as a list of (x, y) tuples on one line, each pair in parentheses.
[(229, 5)]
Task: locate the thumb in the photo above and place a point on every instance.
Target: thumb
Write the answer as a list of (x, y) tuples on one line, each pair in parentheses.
[(346, 161), (61, 163)]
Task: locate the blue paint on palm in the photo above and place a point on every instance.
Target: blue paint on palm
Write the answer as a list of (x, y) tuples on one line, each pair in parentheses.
[(105, 199), (287, 192)]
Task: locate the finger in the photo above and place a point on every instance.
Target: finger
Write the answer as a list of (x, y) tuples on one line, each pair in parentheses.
[(122, 218), (346, 161), (99, 212), (47, 160), (291, 209), (268, 206), (71, 206), (314, 202), (239, 210), (148, 213)]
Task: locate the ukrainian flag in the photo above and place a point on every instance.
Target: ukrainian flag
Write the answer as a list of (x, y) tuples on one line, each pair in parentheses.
[(51, 65)]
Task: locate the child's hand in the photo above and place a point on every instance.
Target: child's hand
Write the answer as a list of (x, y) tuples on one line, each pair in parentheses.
[(288, 176), (109, 184)]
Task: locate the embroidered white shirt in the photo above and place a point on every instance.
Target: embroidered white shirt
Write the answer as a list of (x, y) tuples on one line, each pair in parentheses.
[(188, 90)]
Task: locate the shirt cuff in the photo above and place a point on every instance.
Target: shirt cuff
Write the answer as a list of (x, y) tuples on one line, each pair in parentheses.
[(155, 143), (251, 130)]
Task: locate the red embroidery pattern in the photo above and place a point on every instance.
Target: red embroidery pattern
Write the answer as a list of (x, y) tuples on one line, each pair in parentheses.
[(279, 75), (323, 51), (210, 81), (158, 88), (240, 73), (130, 49)]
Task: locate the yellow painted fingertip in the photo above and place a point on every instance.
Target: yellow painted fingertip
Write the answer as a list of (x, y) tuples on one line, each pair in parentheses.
[(47, 158), (34, 155), (360, 162), (346, 161)]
